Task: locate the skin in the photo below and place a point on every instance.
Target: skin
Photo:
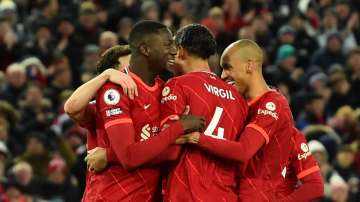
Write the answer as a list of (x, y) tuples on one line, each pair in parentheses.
[(242, 66), (152, 55)]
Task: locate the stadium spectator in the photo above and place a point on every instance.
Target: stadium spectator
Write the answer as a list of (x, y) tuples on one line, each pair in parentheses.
[(16, 78)]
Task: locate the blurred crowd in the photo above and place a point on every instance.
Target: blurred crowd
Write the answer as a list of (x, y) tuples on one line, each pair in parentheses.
[(50, 47)]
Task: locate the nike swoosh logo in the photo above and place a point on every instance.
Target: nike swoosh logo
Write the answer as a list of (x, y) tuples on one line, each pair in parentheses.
[(147, 106)]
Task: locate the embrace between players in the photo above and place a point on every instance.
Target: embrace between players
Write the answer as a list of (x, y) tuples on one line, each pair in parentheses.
[(195, 137)]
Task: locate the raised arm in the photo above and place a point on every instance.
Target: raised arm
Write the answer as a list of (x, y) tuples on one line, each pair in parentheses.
[(76, 105)]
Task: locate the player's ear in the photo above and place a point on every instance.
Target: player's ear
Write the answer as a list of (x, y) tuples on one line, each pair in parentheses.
[(182, 54), (249, 66), (144, 49)]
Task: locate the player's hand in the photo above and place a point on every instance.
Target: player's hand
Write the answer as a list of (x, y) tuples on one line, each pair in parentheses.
[(191, 138), (96, 159), (192, 123), (124, 80)]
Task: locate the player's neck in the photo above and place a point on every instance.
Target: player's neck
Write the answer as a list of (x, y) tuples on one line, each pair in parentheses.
[(196, 65), (257, 87), (142, 70)]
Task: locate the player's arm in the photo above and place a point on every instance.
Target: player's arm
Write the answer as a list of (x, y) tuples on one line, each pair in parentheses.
[(76, 105), (254, 136), (249, 143), (307, 171), (312, 188), (121, 134), (173, 103)]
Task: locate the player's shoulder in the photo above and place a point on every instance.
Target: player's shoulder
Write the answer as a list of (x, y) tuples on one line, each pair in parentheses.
[(111, 87), (273, 101), (111, 93)]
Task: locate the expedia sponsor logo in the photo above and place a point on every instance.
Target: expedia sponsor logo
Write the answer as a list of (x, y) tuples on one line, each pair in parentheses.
[(266, 112), (304, 147), (170, 97)]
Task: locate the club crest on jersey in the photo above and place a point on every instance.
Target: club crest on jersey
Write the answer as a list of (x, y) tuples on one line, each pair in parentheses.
[(305, 148), (165, 91), (270, 106), (111, 97)]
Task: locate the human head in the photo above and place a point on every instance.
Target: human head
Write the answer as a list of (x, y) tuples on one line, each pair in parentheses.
[(43, 30), (345, 157), (240, 61), (23, 173), (34, 95), (193, 41), (330, 19), (334, 42), (115, 57), (87, 15), (247, 32), (286, 56), (50, 7), (152, 42), (342, 7), (16, 75), (8, 10), (150, 10), (35, 145), (315, 104), (353, 61), (65, 25), (57, 170), (107, 40), (319, 151), (124, 27)]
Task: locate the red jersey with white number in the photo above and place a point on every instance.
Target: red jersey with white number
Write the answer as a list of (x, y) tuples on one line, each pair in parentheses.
[(142, 116), (301, 164), (199, 176), (270, 115)]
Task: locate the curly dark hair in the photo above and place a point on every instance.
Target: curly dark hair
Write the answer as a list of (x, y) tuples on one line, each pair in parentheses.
[(197, 40), (110, 58)]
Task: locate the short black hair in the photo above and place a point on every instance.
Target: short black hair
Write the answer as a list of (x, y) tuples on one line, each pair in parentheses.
[(141, 29), (110, 58), (196, 39)]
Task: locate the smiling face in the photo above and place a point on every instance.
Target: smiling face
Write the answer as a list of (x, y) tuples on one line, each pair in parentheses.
[(234, 71), (241, 63), (161, 50)]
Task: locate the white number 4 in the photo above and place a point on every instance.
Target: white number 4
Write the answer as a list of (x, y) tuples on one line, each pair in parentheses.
[(213, 124)]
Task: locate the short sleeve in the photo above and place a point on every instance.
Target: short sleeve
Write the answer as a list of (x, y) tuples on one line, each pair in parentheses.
[(173, 100), (303, 162), (266, 119), (113, 105)]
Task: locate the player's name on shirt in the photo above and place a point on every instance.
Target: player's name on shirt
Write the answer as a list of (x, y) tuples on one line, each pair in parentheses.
[(227, 94)]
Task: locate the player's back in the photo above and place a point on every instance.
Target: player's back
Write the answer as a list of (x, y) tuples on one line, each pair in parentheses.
[(117, 183), (199, 175), (262, 174)]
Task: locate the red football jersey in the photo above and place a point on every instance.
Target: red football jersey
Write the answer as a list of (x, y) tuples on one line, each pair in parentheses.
[(301, 164), (143, 113), (270, 115), (198, 175), (91, 142)]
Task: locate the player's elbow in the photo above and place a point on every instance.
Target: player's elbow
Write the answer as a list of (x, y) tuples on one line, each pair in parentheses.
[(69, 107), (318, 189)]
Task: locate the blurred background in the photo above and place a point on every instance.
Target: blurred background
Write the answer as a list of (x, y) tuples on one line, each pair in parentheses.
[(50, 47)]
